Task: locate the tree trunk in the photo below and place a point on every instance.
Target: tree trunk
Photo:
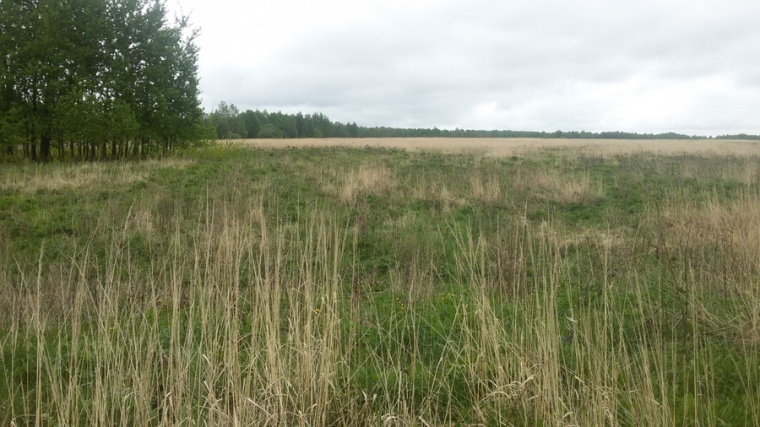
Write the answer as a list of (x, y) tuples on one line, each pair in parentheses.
[(60, 145), (45, 140), (33, 148)]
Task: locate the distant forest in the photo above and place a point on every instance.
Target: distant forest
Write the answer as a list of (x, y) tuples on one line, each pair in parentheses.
[(230, 123)]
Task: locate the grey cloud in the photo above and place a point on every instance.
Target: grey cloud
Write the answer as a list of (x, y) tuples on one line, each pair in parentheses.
[(542, 65)]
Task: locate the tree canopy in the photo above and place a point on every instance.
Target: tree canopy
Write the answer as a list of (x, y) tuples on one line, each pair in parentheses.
[(87, 79), (230, 123)]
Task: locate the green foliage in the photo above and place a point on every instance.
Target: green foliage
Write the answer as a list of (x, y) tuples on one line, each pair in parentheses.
[(88, 79), (230, 123)]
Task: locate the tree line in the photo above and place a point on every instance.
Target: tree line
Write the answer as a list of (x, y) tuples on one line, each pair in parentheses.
[(230, 123), (96, 79)]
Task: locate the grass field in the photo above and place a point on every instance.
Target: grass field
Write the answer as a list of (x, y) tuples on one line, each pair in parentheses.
[(356, 282), (505, 147)]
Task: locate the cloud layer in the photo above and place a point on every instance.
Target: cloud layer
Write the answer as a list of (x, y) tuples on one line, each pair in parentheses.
[(645, 66)]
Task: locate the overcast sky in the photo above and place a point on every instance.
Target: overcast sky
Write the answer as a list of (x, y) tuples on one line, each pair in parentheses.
[(690, 66)]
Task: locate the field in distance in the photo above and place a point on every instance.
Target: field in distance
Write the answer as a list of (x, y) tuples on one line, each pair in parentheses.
[(510, 146)]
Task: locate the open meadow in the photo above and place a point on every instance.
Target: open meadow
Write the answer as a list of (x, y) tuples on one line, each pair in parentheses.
[(385, 282), (505, 147)]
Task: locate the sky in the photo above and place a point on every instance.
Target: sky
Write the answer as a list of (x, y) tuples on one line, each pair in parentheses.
[(686, 66)]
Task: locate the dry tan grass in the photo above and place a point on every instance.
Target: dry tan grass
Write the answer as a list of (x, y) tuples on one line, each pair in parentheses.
[(364, 180), (747, 174), (559, 187), (367, 179), (485, 186), (348, 185), (435, 190), (733, 226), (30, 178), (699, 167), (562, 239), (503, 147), (719, 244)]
